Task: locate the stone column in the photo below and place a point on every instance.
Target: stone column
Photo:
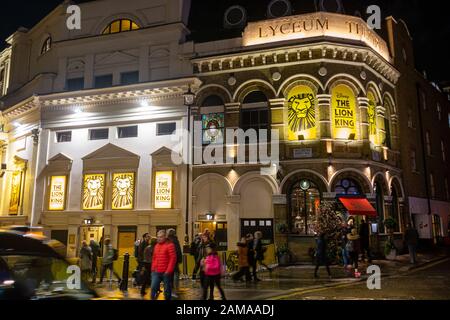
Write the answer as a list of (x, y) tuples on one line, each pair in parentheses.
[(89, 71), (324, 125), (381, 130), (233, 220), (280, 218), (232, 115), (363, 103), (394, 132), (278, 116), (144, 68)]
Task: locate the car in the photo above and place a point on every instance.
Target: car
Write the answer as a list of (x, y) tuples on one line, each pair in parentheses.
[(32, 270)]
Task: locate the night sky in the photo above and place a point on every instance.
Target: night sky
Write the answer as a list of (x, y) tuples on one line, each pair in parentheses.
[(428, 21)]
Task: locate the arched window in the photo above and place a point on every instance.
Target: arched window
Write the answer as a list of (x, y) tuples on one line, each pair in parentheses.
[(304, 200), (213, 120), (47, 45), (347, 187), (255, 111), (121, 25)]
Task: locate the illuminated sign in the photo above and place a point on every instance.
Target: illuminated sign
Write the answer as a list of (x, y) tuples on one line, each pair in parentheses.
[(93, 191), (123, 191), (163, 190), (319, 24), (372, 118), (57, 197), (343, 112), (16, 187), (301, 113)]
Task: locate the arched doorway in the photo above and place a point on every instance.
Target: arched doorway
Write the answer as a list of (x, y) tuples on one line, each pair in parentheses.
[(304, 202)]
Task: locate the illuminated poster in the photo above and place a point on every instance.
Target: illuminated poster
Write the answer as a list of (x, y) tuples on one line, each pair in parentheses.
[(16, 187), (123, 191), (57, 198), (302, 113), (93, 192), (372, 118), (343, 112), (163, 190), (212, 125)]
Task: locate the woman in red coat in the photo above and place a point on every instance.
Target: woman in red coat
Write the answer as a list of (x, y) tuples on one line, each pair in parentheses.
[(163, 265)]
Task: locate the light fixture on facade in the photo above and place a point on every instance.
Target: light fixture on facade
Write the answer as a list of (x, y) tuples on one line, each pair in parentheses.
[(78, 110), (16, 124), (189, 97), (144, 103), (210, 216), (301, 137), (329, 147)]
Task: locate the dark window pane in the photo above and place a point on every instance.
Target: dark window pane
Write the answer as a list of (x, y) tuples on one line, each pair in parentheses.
[(104, 81), (212, 101), (165, 129), (127, 132), (254, 97), (75, 84), (129, 77), (98, 134), (64, 136)]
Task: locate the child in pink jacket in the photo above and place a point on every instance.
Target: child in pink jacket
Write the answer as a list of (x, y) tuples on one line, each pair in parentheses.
[(213, 272)]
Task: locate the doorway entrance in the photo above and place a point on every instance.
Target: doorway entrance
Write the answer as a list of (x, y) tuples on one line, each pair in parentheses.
[(218, 231), (88, 233)]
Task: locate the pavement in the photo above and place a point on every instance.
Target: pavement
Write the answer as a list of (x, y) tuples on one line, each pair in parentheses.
[(290, 283)]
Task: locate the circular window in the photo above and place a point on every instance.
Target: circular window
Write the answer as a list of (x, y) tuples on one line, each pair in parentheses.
[(279, 8), (330, 6), (235, 16)]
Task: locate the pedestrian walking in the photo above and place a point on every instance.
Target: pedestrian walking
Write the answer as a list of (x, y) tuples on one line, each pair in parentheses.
[(322, 255), (95, 249), (353, 248), (147, 266), (175, 282), (412, 240), (194, 251), (202, 255), (345, 257), (109, 256), (260, 250), (213, 273), (252, 256), (85, 260), (364, 234), (163, 265), (244, 269)]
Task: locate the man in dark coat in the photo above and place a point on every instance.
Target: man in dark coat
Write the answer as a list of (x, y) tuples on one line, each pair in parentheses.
[(172, 236), (322, 255), (251, 256), (364, 236), (412, 239)]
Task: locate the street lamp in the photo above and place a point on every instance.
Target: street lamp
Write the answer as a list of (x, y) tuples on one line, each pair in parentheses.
[(189, 99)]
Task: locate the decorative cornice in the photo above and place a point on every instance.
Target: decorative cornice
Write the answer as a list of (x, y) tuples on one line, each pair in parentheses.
[(284, 56)]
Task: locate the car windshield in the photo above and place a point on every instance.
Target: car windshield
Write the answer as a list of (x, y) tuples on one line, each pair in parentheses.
[(40, 277)]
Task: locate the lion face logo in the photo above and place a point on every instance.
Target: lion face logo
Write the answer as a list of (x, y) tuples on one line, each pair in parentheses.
[(93, 193), (302, 115), (123, 191)]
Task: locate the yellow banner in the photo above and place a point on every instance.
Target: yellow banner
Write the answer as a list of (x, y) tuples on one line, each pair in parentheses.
[(372, 118), (123, 191), (16, 187), (302, 113), (163, 190), (57, 197), (94, 191), (343, 112)]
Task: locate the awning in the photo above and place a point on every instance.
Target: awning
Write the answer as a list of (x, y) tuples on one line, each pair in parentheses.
[(358, 206)]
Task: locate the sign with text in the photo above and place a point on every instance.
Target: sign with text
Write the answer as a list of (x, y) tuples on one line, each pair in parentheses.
[(163, 189), (57, 198), (319, 24), (304, 153), (343, 112)]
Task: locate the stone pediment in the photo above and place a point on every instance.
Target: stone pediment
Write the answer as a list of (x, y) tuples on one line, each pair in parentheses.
[(164, 151), (111, 156), (60, 157), (117, 58)]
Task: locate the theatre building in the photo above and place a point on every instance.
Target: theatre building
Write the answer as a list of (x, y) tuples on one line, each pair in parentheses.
[(330, 86), (89, 119), (89, 123)]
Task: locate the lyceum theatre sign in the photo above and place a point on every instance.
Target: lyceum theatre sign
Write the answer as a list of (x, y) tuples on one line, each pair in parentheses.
[(320, 24)]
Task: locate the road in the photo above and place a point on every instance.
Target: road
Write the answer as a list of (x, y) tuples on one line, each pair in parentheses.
[(430, 282)]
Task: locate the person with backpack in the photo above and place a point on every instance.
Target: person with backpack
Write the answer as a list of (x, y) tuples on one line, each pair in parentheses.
[(260, 250), (213, 272), (109, 256), (147, 266), (175, 282), (353, 248)]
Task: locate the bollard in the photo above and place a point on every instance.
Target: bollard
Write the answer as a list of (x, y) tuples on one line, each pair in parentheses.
[(126, 265)]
